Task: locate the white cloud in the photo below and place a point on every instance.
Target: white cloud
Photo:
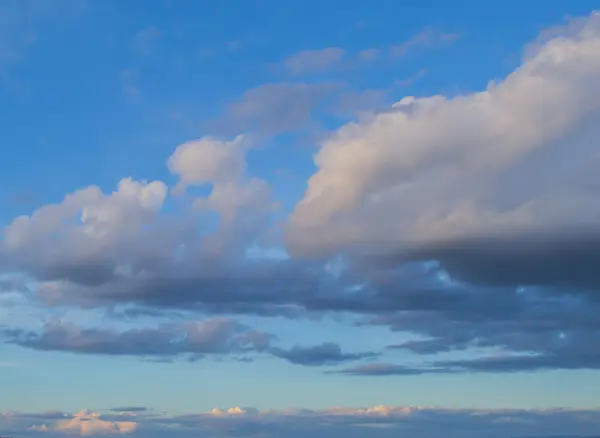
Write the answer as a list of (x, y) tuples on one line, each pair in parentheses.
[(86, 423), (209, 160), (517, 155)]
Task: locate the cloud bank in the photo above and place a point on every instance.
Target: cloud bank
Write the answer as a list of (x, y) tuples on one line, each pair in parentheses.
[(386, 421)]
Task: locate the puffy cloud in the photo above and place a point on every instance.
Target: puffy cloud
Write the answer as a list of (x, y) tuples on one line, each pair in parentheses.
[(86, 236), (209, 161), (494, 184), (382, 421), (86, 423)]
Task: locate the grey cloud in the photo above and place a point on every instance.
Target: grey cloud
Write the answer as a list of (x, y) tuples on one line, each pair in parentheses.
[(130, 409), (211, 337), (327, 353), (383, 369), (556, 258), (418, 299), (192, 340), (13, 284)]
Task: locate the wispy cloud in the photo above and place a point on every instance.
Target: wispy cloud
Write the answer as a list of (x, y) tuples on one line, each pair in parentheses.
[(429, 38), (314, 61), (144, 41)]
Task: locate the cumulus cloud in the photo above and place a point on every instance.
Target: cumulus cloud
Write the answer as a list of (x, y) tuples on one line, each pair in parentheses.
[(86, 423), (498, 185), (385, 421)]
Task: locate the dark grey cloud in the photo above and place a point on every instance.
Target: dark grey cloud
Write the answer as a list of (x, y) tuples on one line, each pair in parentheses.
[(565, 259), (384, 369), (327, 353), (130, 409), (215, 336), (192, 340), (418, 298)]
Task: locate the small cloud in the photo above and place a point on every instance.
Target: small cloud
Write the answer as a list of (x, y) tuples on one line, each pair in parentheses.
[(369, 54), (130, 409), (314, 61), (144, 41), (326, 353), (429, 38), (233, 46), (410, 80), (129, 78)]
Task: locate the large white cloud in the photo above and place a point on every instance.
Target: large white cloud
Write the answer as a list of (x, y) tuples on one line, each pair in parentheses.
[(521, 154)]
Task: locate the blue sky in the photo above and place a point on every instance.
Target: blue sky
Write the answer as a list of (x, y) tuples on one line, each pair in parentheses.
[(187, 132)]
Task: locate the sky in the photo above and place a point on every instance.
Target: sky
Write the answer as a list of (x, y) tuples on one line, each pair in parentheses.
[(280, 219)]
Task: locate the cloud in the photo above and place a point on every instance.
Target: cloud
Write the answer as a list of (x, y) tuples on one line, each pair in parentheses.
[(274, 108), (145, 40), (480, 182), (429, 38), (326, 353), (85, 423), (214, 336), (314, 61), (130, 409), (382, 421), (192, 340), (383, 369)]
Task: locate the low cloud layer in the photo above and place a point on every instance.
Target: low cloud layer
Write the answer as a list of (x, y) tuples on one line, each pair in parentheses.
[(387, 421)]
